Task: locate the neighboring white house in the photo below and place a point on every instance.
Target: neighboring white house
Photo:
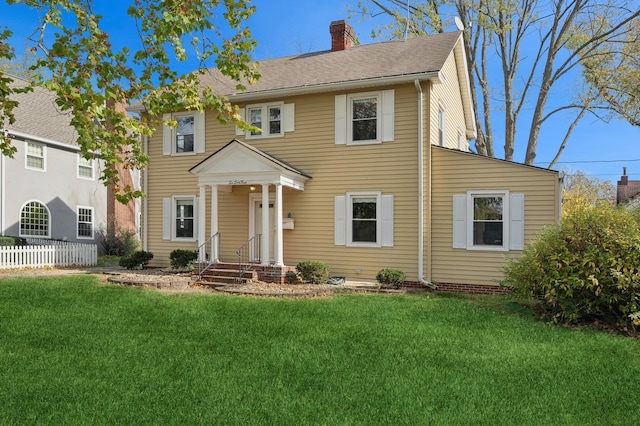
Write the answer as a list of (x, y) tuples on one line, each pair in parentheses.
[(48, 190)]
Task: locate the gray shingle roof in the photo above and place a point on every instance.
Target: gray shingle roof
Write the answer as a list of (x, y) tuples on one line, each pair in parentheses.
[(38, 115), (376, 61)]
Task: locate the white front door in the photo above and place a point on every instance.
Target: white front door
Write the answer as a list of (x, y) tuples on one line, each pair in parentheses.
[(255, 228)]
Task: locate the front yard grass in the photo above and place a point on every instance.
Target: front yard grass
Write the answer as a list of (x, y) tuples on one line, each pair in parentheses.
[(75, 351)]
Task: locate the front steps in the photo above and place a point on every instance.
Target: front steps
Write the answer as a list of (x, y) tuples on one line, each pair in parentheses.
[(229, 273)]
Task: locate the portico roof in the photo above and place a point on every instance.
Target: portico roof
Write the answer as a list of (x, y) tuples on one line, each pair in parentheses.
[(238, 163)]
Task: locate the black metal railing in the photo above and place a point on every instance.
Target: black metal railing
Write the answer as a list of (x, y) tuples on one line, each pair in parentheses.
[(248, 253), (208, 253)]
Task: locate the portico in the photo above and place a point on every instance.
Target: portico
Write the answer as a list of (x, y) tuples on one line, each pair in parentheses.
[(238, 163)]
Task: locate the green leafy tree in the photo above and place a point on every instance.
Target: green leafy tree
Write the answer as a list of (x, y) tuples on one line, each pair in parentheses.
[(614, 72), (580, 191), (89, 76), (519, 53)]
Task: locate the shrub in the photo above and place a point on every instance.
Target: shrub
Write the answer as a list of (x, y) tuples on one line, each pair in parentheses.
[(389, 277), (13, 241), (183, 259), (137, 260), (586, 269), (313, 271), (118, 243)]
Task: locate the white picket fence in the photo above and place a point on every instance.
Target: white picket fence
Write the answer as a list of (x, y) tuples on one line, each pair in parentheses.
[(49, 255)]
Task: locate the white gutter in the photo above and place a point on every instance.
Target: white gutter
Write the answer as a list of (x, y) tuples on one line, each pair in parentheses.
[(20, 135), (433, 76), (421, 189), (145, 207)]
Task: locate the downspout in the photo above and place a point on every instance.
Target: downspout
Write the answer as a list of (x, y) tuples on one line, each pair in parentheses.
[(145, 203), (421, 189)]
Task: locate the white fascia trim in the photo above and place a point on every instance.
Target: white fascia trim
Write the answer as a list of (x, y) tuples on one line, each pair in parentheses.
[(465, 90), (435, 77)]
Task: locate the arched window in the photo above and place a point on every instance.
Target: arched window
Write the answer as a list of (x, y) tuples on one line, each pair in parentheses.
[(34, 220)]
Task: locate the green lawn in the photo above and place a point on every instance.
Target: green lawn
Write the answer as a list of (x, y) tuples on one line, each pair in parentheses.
[(74, 351)]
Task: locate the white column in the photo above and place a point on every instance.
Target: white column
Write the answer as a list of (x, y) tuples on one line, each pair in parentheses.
[(278, 255), (215, 255), (201, 224), (264, 249)]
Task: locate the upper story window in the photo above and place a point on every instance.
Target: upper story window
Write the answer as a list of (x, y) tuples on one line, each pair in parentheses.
[(364, 118), (268, 119), (441, 122), (461, 141), (35, 156), (271, 120), (85, 222), (85, 167), (187, 137), (34, 220), (184, 133)]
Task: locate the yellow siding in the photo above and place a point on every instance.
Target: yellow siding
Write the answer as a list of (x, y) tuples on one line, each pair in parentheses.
[(390, 167), (447, 94), (457, 172)]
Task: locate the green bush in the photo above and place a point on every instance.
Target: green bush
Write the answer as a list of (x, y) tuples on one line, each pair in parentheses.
[(183, 259), (389, 277), (118, 243), (313, 271), (13, 241), (586, 269), (137, 260)]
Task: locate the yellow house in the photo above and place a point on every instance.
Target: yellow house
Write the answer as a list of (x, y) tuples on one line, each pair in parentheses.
[(362, 162)]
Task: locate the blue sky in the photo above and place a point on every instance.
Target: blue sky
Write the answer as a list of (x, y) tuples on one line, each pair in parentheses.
[(289, 27)]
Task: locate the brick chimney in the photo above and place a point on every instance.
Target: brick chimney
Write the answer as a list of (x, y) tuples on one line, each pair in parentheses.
[(120, 217), (624, 179), (342, 35)]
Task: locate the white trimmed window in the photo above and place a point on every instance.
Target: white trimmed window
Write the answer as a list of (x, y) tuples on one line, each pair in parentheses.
[(34, 220), (441, 123), (179, 218), (85, 222), (488, 220), (85, 167), (365, 125), (187, 137), (185, 134), (272, 120), (462, 143), (35, 156), (363, 219), (364, 118)]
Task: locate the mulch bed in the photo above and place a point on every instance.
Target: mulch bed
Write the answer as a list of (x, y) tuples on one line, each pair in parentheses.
[(167, 280)]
